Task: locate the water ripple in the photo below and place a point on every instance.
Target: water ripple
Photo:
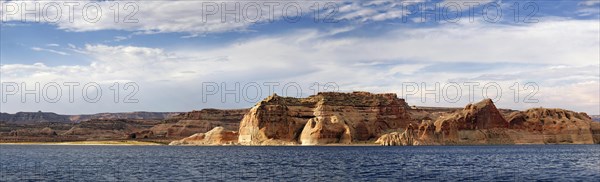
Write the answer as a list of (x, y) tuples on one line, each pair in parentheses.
[(427, 163)]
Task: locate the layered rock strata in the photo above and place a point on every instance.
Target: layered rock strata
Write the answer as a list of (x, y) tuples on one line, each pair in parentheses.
[(482, 123), (190, 123), (324, 118), (216, 136)]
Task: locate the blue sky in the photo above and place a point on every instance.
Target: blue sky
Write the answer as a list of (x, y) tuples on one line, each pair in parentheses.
[(374, 46)]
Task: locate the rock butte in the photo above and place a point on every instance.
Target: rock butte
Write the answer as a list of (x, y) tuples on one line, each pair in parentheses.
[(325, 118)]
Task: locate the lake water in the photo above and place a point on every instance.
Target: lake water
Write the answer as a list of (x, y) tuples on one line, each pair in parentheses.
[(142, 163)]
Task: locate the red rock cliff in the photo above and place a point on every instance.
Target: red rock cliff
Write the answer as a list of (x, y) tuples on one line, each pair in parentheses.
[(323, 118)]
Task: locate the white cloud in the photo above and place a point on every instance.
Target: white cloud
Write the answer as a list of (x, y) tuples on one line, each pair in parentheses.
[(188, 17), (375, 10), (379, 63), (463, 2), (587, 11), (120, 38), (589, 2), (49, 50), (159, 16)]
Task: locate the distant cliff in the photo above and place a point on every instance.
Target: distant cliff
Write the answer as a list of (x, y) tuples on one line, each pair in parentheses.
[(163, 127), (34, 117), (125, 115), (189, 123), (42, 117)]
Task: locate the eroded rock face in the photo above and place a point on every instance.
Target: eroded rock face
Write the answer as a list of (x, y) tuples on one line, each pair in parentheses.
[(216, 136), (479, 123), (323, 130), (427, 135), (202, 121), (481, 115), (406, 138), (323, 118), (482, 123), (543, 125)]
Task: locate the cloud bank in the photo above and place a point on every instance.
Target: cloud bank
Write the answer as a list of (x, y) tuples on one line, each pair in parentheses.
[(561, 56)]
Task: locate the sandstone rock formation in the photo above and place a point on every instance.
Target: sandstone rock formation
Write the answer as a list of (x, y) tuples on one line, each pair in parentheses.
[(405, 138), (426, 134), (482, 123), (479, 123), (430, 113), (324, 130), (186, 124), (323, 118), (216, 136), (482, 115), (542, 125)]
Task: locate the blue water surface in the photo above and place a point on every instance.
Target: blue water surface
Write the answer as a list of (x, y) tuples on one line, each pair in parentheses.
[(330, 163)]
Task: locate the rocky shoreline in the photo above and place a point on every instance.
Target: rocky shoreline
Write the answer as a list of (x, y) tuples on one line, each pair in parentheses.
[(329, 119)]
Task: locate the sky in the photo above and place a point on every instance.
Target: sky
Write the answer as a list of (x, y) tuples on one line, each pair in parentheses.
[(81, 57)]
